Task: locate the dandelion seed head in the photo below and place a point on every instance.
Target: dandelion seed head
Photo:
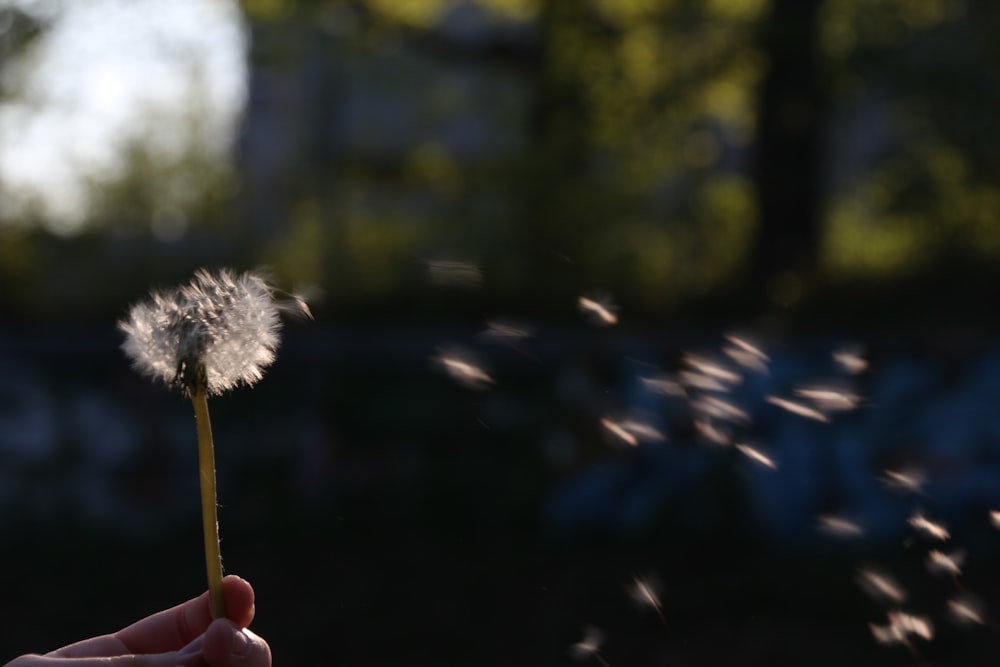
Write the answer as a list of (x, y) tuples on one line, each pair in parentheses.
[(224, 324)]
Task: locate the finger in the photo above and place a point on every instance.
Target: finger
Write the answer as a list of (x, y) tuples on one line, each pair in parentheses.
[(91, 648), (174, 628), (171, 659), (227, 645)]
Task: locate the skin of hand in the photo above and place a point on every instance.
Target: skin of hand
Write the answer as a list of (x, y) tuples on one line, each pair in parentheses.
[(182, 636)]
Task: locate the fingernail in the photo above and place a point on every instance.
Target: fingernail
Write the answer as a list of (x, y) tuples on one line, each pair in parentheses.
[(241, 644)]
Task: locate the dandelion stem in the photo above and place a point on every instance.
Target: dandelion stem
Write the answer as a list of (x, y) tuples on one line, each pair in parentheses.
[(209, 516)]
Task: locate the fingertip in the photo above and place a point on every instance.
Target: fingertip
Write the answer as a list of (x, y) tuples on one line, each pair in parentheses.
[(239, 596), (228, 645)]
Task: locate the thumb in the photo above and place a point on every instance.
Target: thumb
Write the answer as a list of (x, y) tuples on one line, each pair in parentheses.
[(227, 645)]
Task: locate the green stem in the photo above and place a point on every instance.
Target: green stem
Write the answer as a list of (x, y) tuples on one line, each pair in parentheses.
[(209, 517)]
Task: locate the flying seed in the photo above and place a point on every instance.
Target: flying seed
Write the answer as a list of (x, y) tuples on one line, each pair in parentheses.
[(881, 586), (644, 592), (757, 456), (590, 645), (464, 370), (906, 480), (850, 360), (945, 563), (601, 311), (838, 526), (712, 369), (798, 409), (929, 528), (832, 400)]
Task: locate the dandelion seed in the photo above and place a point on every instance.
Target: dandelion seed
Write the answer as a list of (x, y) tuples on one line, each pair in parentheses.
[(900, 628), (798, 409), (600, 310), (746, 354), (590, 646), (881, 586), (965, 610), (712, 369), (945, 563), (850, 359), (838, 526), (995, 518), (644, 592), (832, 400), (712, 406), (712, 433), (505, 332), (452, 273), (701, 382), (462, 368), (757, 456), (620, 432), (932, 530), (906, 480), (663, 386), (206, 337)]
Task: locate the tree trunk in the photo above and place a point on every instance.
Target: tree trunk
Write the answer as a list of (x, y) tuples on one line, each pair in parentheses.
[(787, 169)]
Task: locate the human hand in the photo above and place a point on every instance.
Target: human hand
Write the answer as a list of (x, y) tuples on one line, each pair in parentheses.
[(182, 636)]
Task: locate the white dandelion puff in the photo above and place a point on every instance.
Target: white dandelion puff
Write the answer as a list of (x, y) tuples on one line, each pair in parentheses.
[(225, 325)]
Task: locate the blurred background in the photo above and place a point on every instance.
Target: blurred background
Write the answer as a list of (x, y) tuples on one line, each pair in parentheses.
[(575, 266)]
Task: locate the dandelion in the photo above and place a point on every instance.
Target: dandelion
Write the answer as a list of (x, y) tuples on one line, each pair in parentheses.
[(215, 333)]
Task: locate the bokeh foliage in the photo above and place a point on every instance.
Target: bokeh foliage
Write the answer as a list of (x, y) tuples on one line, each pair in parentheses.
[(565, 146)]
